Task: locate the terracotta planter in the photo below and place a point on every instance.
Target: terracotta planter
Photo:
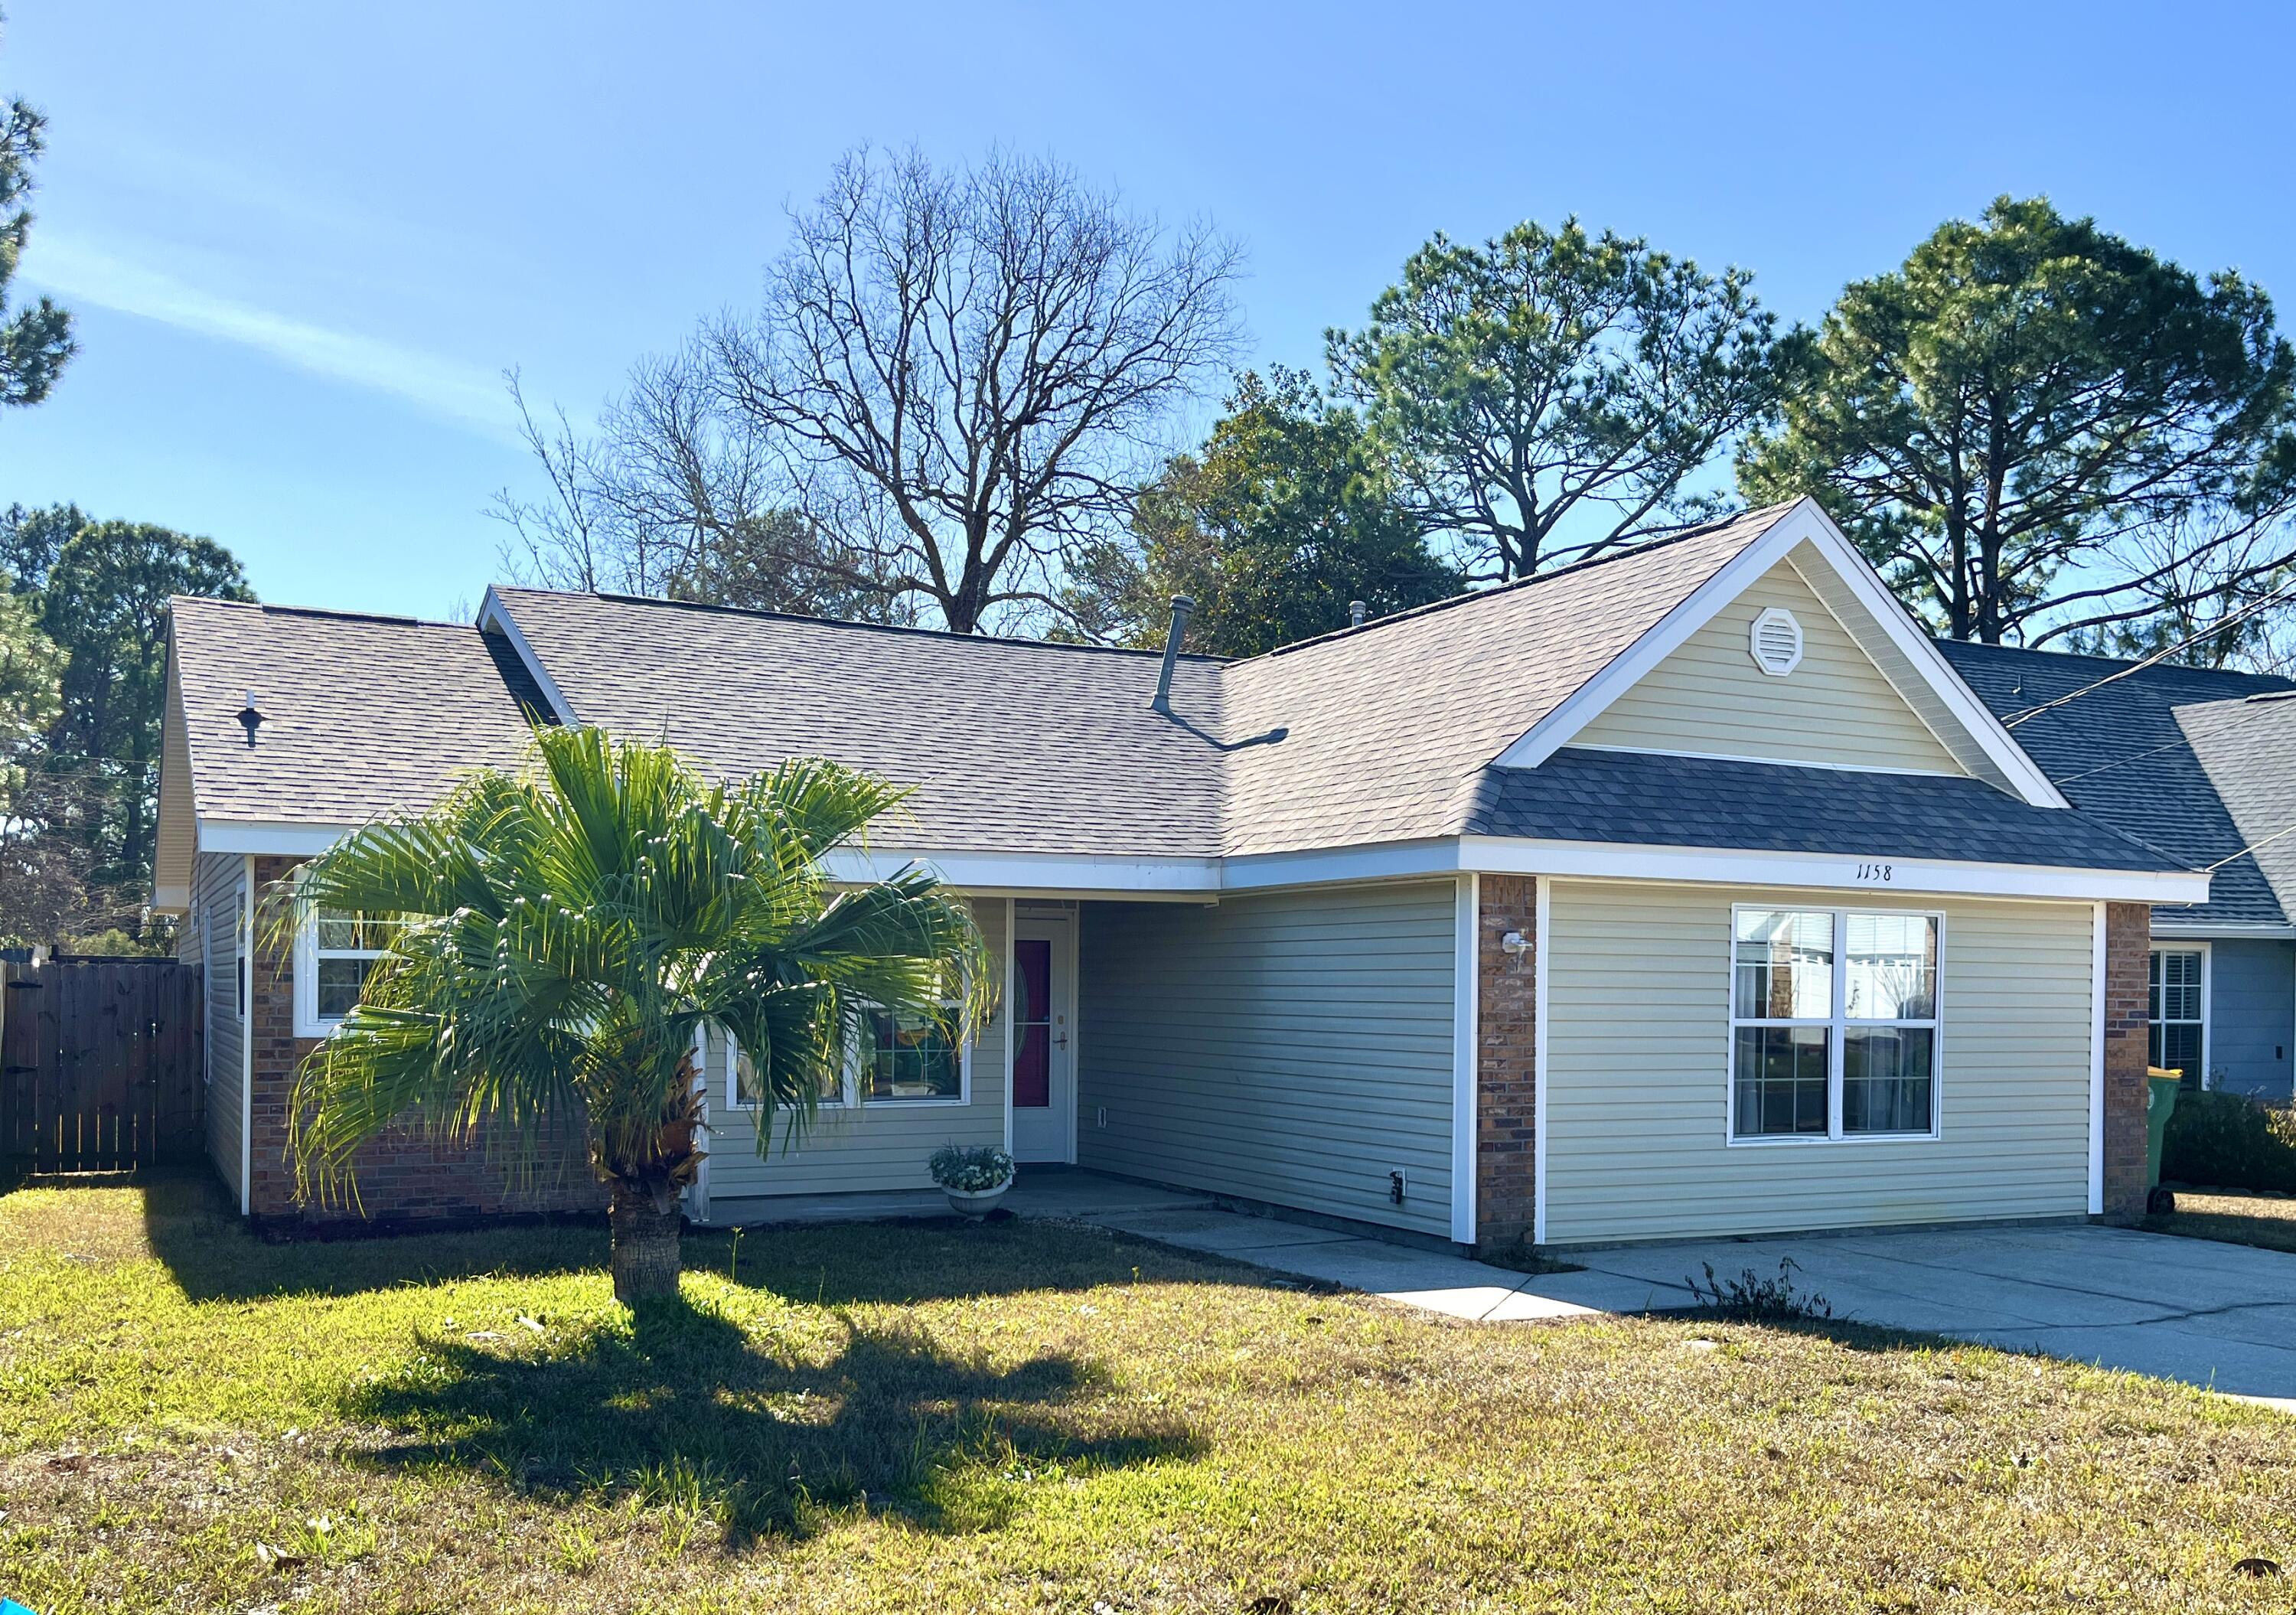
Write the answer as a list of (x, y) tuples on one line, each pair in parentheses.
[(976, 1202)]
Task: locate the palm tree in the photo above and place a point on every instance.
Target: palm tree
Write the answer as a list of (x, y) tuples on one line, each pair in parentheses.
[(560, 938)]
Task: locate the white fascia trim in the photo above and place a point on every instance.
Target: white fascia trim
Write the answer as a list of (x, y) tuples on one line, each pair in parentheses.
[(1465, 1045), (983, 872), (1778, 762), (1732, 866), (1259, 871), (273, 836), (492, 614), (2231, 931), (1804, 523), (2096, 1063)]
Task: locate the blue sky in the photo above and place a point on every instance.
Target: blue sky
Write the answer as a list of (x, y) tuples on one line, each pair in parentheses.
[(304, 241)]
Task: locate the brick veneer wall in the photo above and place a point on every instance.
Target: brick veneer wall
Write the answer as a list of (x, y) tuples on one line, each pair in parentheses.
[(403, 1176), (1506, 1062), (2128, 949)]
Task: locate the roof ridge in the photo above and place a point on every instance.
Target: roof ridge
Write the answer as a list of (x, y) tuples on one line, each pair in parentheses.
[(1951, 645), (847, 622), (1517, 585), (332, 613)]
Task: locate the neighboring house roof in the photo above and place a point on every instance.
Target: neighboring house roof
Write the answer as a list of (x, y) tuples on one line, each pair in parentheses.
[(1648, 798), (362, 716), (2175, 757), (1014, 745)]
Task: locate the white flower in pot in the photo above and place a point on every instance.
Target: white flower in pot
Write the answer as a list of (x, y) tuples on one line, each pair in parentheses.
[(974, 1179)]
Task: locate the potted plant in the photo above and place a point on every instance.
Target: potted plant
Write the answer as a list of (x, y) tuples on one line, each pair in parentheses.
[(973, 1179)]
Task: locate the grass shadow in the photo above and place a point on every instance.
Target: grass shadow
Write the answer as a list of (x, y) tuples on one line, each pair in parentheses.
[(684, 1407)]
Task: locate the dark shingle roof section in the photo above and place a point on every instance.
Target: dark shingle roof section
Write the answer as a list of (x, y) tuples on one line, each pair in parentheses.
[(1643, 798), (1391, 726), (2121, 753), (1014, 746), (362, 716)]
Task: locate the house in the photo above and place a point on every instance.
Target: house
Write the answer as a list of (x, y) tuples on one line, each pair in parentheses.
[(2202, 765), (1685, 891)]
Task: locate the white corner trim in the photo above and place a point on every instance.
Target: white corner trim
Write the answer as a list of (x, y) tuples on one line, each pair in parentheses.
[(697, 1192), (1465, 1045), (493, 613), (2096, 1062), (1832, 872), (247, 951), (1805, 523), (1542, 901), (1004, 1021)]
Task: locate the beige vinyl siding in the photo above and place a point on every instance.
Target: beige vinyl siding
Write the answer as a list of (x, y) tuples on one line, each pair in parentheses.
[(1637, 1074), (1709, 697), (882, 1145), (1290, 1047), (218, 895)]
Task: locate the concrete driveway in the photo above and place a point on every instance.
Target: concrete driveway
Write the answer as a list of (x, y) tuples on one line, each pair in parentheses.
[(2222, 1316)]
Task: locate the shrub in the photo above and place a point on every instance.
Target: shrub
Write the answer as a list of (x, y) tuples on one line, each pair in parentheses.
[(2230, 1140), (955, 1167)]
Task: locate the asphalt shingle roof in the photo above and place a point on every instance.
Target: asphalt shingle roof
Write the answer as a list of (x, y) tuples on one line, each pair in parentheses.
[(1375, 734), (362, 716), (2125, 753), (1643, 798), (1013, 745)]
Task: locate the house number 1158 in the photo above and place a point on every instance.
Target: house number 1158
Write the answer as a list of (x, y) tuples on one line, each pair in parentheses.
[(1874, 871)]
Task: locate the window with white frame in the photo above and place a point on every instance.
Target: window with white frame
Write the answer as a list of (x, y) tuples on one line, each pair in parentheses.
[(898, 1058), (1833, 1024), (340, 947), (2177, 1011)]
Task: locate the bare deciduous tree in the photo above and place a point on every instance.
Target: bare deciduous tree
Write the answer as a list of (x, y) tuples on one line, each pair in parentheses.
[(964, 372)]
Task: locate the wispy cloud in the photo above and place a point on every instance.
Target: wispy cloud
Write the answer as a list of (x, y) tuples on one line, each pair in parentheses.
[(447, 389)]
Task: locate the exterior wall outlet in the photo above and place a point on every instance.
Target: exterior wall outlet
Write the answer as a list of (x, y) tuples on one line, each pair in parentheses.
[(1397, 1186)]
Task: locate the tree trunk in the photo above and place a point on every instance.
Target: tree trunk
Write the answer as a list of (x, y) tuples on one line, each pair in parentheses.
[(645, 1260)]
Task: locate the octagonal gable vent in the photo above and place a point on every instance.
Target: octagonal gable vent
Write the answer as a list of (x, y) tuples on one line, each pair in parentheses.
[(1776, 642)]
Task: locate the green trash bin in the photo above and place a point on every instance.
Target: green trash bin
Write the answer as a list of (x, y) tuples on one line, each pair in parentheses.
[(2160, 1103)]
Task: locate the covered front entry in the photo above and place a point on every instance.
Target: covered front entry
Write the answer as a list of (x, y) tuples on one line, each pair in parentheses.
[(1044, 1023)]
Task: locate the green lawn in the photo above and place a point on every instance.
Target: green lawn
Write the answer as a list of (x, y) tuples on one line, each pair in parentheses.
[(2236, 1218), (1023, 1416)]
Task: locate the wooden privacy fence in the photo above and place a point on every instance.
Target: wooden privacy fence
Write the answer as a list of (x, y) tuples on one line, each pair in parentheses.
[(100, 1063)]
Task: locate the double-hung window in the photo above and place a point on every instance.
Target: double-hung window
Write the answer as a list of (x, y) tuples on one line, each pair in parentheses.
[(897, 1059), (1833, 1024), (2177, 1011), (340, 947)]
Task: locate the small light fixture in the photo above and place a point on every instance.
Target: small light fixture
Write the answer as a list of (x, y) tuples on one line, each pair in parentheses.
[(1515, 943), (249, 717)]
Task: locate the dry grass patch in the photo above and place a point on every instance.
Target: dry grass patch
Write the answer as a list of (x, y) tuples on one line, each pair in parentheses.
[(2232, 1217), (1034, 1417)]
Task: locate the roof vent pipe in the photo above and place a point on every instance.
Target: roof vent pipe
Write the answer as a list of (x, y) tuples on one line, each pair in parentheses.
[(1183, 608), (249, 717), (1356, 609)]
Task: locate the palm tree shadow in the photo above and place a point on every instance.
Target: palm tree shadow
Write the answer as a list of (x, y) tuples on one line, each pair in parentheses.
[(193, 1227), (685, 1408)]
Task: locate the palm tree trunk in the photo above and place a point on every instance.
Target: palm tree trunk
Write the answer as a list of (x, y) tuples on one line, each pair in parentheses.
[(645, 1260)]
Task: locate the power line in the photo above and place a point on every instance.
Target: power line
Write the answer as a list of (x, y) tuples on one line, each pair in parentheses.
[(2158, 657)]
